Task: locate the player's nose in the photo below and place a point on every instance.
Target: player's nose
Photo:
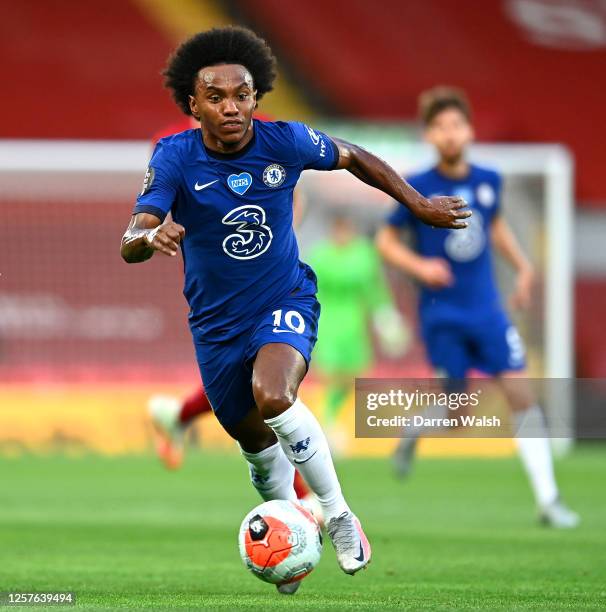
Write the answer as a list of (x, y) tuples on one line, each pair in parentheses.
[(230, 107)]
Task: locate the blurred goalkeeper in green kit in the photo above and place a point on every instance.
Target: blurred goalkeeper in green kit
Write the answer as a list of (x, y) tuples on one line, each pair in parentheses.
[(353, 292)]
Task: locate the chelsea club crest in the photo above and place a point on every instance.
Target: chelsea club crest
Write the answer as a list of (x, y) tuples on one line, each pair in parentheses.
[(274, 175)]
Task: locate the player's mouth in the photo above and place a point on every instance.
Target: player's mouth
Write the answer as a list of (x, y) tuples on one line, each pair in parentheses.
[(231, 126)]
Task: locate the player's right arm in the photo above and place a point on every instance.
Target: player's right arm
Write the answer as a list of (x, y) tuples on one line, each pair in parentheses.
[(146, 233), (149, 229), (433, 272)]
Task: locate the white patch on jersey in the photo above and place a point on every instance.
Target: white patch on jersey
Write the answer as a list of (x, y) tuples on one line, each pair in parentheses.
[(486, 195), (517, 350), (464, 192), (251, 236), (148, 180), (315, 138), (464, 245), (274, 175)]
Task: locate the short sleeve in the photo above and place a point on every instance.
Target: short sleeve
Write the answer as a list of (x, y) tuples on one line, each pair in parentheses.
[(316, 150), (159, 184)]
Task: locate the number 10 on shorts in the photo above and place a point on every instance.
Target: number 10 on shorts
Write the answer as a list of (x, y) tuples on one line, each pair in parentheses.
[(292, 319)]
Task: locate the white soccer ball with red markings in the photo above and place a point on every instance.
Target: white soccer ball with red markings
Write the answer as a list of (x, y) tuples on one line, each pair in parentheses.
[(280, 541)]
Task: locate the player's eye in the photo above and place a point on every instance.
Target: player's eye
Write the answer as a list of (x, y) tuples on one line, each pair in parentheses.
[(244, 96), (214, 99)]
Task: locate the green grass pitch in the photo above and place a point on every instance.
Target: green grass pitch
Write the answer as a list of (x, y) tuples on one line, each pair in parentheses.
[(458, 534)]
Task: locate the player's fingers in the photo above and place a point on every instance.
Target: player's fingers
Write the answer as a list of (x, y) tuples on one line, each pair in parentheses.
[(462, 214), (458, 224), (168, 246), (458, 203), (440, 282), (167, 240), (173, 234), (166, 250)]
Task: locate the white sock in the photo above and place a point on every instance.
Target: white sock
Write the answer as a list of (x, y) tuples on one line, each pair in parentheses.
[(305, 445), (271, 473), (535, 454)]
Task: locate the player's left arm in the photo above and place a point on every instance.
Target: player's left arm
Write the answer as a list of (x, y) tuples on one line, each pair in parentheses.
[(442, 211), (507, 245)]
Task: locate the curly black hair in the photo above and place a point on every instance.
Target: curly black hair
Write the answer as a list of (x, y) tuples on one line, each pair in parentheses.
[(231, 45)]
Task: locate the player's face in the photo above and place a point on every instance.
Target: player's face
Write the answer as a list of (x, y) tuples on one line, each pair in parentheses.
[(224, 101), (450, 132)]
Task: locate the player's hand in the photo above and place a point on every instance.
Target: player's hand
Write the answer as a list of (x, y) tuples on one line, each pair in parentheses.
[(435, 273), (166, 237), (444, 211), (521, 297)]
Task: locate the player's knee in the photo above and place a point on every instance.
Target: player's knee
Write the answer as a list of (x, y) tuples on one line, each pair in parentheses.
[(519, 393), (272, 400)]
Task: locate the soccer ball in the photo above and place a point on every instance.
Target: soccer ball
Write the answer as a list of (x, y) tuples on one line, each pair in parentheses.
[(280, 541)]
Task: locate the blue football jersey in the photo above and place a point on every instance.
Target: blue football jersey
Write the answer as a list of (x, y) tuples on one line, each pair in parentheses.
[(240, 252), (467, 251)]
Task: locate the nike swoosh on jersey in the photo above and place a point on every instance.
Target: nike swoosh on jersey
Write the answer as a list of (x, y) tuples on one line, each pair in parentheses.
[(200, 187)]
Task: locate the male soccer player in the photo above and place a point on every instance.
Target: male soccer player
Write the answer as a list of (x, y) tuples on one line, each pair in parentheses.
[(463, 322), (172, 416), (253, 310)]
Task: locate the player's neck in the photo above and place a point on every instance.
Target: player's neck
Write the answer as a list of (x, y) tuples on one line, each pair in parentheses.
[(458, 169), (217, 146)]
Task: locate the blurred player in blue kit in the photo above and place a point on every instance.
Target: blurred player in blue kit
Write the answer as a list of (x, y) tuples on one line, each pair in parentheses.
[(463, 322), (253, 308)]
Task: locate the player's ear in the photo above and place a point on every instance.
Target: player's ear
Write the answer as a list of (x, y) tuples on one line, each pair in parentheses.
[(193, 107)]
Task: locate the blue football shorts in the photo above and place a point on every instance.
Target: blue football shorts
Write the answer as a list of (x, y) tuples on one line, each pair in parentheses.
[(226, 367), (489, 343)]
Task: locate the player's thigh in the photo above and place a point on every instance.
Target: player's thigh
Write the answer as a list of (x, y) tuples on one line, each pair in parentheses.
[(280, 349), (517, 389), (447, 350), (277, 373)]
